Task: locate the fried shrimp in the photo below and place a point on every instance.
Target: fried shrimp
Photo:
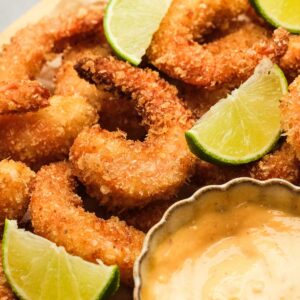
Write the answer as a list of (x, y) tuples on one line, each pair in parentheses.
[(290, 115), (124, 173), (290, 62), (24, 56), (282, 163), (174, 49), (115, 112), (22, 96), (15, 182), (46, 135), (57, 215)]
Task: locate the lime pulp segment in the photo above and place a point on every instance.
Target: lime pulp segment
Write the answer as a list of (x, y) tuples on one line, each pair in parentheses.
[(130, 24), (38, 269), (244, 126), (280, 13)]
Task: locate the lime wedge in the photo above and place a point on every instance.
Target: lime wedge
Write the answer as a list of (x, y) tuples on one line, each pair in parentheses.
[(244, 126), (38, 269), (130, 24), (280, 13)]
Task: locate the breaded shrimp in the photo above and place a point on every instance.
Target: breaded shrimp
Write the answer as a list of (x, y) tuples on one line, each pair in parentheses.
[(290, 62), (57, 215), (123, 173), (282, 163), (37, 138), (290, 115), (6, 292), (15, 182), (22, 96), (115, 111), (24, 56), (175, 51)]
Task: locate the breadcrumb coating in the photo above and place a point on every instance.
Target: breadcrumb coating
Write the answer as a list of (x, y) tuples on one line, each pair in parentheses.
[(22, 96), (37, 138), (290, 115), (282, 163), (175, 51), (27, 51), (15, 182), (290, 62), (115, 111), (124, 173), (57, 215)]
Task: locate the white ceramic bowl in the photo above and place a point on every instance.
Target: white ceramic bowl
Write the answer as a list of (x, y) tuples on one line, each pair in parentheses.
[(276, 190)]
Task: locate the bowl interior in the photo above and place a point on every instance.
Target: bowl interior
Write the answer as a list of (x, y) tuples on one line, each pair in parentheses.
[(275, 194)]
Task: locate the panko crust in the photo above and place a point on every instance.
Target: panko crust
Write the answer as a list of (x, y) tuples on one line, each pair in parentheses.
[(123, 173), (57, 215)]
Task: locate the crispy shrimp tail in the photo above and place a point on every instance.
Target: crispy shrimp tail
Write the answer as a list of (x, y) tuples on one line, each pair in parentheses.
[(57, 215), (124, 173)]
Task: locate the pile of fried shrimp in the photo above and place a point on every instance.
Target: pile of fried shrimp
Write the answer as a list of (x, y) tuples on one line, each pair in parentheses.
[(94, 155)]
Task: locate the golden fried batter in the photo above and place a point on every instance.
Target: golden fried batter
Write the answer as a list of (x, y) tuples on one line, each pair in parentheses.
[(175, 51), (22, 96), (290, 111), (15, 182), (115, 111), (57, 215), (46, 135), (24, 56), (124, 173)]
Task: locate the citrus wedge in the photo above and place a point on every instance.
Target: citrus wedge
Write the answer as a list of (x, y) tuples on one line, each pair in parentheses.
[(244, 126), (130, 24), (38, 269), (280, 13)]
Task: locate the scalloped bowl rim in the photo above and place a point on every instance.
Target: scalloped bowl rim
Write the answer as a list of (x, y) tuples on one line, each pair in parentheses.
[(194, 198)]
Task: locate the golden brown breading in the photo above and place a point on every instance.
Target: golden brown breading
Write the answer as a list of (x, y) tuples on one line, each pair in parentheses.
[(174, 50), (46, 135), (22, 96), (282, 163), (57, 215), (15, 182), (124, 173), (290, 115), (115, 111), (290, 62), (24, 56)]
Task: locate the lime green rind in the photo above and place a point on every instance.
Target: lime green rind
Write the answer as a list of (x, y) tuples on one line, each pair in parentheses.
[(120, 53), (4, 263), (112, 285), (210, 152), (133, 58), (256, 4), (200, 151), (104, 292)]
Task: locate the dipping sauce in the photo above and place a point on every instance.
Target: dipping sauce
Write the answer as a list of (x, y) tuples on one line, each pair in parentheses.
[(242, 253)]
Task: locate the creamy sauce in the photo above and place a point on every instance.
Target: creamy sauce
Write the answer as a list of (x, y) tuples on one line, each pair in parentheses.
[(248, 252)]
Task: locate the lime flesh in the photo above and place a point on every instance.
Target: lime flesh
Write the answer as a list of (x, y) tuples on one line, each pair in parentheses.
[(38, 269), (130, 24), (280, 13), (244, 126)]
